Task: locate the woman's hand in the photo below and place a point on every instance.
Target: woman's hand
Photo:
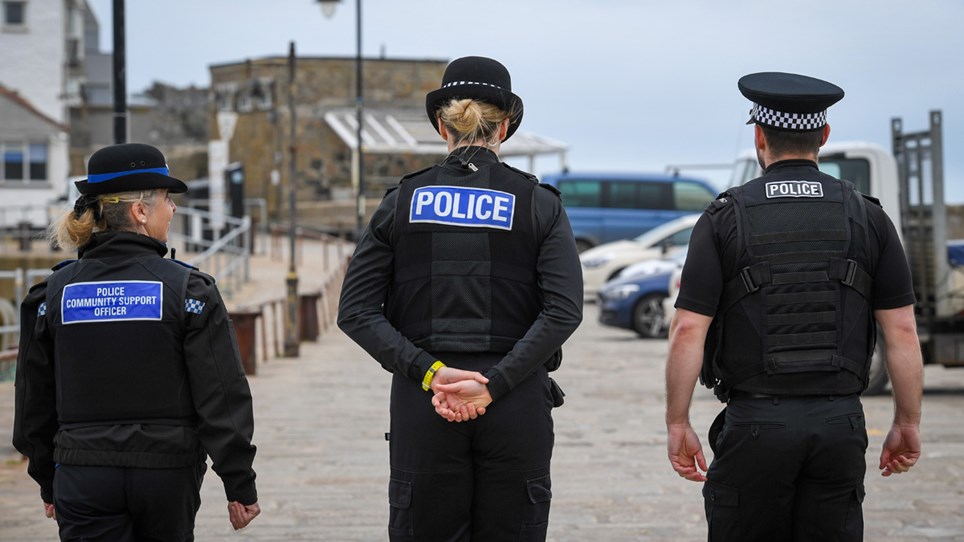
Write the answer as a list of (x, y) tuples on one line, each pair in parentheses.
[(460, 395)]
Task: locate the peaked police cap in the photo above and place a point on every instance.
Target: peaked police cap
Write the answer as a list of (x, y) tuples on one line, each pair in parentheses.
[(788, 101), (128, 167), (478, 78)]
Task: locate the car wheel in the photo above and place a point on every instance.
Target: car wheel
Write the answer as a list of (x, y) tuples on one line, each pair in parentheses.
[(648, 316), (877, 379)]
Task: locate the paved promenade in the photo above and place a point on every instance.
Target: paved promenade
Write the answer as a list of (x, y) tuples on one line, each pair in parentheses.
[(323, 462)]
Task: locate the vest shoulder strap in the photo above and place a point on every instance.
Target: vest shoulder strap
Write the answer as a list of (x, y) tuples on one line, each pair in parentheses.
[(414, 173), (525, 174)]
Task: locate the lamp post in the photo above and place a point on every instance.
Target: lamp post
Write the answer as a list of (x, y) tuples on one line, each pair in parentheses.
[(292, 338), (328, 8)]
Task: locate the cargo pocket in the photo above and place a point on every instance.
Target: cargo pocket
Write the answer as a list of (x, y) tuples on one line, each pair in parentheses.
[(400, 511), (722, 504), (536, 522), (854, 524)]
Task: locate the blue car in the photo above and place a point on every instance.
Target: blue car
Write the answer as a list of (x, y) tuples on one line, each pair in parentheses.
[(636, 302)]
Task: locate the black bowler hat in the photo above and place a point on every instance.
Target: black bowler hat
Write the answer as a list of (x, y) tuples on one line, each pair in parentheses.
[(788, 101), (128, 167), (478, 78)]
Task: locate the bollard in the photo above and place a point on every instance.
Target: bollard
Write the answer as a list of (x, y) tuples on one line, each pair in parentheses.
[(308, 328), (245, 331), (26, 237)]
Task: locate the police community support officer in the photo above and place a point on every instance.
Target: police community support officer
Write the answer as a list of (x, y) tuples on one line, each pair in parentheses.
[(128, 370), (785, 279), (468, 264)]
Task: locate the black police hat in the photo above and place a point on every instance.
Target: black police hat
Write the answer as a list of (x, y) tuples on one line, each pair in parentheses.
[(788, 101), (128, 167), (478, 78)]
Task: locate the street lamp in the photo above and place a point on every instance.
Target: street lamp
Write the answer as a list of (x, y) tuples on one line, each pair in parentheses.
[(292, 335), (328, 8)]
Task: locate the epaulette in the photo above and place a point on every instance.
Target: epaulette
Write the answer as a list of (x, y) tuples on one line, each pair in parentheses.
[(525, 174), (872, 199), (390, 190), (185, 264), (414, 173), (720, 202), (552, 189), (62, 264)]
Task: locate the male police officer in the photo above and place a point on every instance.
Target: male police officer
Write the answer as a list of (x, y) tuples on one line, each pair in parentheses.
[(785, 279)]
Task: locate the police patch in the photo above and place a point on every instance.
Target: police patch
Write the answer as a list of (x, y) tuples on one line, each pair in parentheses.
[(462, 206), (794, 189), (112, 301)]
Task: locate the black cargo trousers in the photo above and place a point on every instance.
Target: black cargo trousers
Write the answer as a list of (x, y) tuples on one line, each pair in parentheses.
[(787, 469), (481, 480)]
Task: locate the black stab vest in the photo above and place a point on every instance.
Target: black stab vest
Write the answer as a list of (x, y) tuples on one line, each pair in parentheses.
[(459, 286), (796, 318), (111, 370)]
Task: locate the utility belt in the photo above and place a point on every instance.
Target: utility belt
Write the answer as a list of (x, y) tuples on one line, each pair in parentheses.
[(740, 394), (185, 422)]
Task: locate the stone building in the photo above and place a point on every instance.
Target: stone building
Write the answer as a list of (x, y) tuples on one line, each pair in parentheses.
[(397, 137)]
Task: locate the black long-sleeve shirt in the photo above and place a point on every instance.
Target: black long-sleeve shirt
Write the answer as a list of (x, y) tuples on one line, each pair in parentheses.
[(369, 278), (218, 390)]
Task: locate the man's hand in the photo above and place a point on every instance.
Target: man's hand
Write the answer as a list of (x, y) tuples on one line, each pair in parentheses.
[(901, 449), (49, 511), (460, 395), (242, 514), (685, 452)]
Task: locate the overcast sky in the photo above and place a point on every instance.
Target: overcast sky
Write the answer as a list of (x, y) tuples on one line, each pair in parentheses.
[(630, 85)]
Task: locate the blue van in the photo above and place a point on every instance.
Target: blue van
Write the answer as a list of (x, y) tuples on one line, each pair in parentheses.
[(606, 207)]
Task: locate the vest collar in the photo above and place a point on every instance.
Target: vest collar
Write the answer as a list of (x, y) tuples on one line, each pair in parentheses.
[(121, 243), (795, 162), (473, 154)]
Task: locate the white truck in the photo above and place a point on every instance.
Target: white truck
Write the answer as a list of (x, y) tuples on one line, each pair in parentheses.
[(909, 183)]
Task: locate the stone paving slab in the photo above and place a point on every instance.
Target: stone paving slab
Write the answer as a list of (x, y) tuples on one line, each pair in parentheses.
[(323, 462)]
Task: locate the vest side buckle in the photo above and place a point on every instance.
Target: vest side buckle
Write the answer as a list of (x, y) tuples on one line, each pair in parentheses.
[(748, 281), (850, 274)]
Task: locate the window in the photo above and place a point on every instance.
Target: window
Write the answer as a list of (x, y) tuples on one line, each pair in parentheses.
[(23, 162), (638, 195), (14, 13), (12, 163), (581, 193), (38, 161), (855, 170), (691, 196)]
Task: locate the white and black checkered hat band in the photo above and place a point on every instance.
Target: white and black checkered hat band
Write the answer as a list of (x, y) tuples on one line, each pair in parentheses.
[(460, 83), (788, 121)]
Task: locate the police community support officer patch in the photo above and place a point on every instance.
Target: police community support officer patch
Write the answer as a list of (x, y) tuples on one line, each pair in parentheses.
[(112, 301), (462, 206)]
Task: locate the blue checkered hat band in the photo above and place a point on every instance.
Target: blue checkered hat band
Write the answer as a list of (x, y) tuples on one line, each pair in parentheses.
[(788, 121), (194, 306)]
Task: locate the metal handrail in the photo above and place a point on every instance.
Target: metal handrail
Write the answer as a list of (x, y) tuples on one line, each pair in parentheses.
[(227, 257)]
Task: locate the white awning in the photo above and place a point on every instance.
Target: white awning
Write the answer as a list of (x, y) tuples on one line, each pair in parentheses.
[(386, 131)]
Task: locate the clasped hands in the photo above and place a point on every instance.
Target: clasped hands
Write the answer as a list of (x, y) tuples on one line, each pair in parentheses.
[(460, 395)]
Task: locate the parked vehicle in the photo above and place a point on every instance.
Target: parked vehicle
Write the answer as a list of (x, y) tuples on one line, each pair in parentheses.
[(635, 301), (669, 304), (606, 207), (605, 262)]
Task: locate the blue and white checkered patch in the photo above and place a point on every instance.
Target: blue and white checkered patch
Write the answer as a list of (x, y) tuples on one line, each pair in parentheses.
[(42, 309), (462, 206), (193, 306)]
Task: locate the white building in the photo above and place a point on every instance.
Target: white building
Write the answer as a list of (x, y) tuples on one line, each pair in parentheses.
[(41, 75)]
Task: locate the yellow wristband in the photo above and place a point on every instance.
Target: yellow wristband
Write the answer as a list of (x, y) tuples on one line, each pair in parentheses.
[(430, 374)]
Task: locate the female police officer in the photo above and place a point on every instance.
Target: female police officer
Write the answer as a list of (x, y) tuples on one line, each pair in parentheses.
[(128, 371), (468, 264)]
